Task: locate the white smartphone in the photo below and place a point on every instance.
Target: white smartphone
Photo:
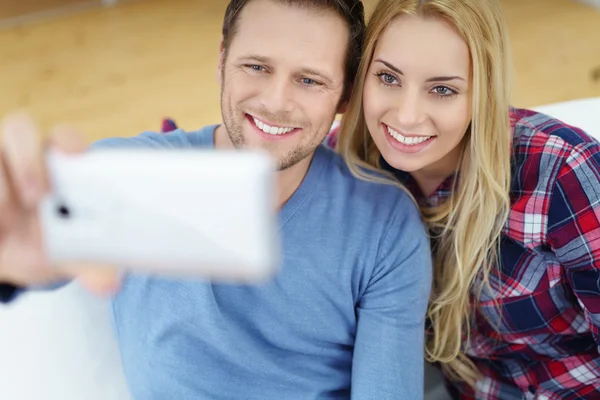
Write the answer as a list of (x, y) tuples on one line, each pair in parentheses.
[(205, 213)]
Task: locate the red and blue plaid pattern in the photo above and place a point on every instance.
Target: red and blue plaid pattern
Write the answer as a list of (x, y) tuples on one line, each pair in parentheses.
[(168, 125), (537, 330)]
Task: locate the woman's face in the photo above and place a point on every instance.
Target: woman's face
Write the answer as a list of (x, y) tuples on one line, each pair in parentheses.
[(417, 95)]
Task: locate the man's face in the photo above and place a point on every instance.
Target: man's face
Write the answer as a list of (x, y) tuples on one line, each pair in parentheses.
[(282, 79)]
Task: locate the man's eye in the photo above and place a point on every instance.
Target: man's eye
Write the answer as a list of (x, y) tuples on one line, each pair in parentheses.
[(255, 67), (310, 82)]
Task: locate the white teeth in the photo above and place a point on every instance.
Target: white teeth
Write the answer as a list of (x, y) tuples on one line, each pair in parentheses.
[(408, 140), (271, 130)]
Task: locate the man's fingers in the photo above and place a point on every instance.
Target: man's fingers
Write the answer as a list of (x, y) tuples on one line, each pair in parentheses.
[(23, 158), (67, 139), (96, 278), (9, 208)]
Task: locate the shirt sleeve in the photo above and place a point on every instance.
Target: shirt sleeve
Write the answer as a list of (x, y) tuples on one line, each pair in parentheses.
[(389, 348), (8, 292), (574, 227)]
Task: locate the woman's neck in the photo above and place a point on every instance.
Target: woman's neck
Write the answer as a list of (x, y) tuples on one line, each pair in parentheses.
[(432, 176)]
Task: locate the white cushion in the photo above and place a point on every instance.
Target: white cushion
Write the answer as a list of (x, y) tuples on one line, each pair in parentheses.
[(59, 345), (582, 113)]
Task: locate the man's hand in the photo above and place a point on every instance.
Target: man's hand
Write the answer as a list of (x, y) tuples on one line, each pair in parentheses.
[(23, 183)]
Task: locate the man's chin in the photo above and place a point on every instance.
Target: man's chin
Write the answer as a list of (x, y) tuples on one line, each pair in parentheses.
[(282, 152), (281, 159)]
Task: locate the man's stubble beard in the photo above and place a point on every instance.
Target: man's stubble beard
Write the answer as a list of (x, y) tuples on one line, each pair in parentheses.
[(234, 128)]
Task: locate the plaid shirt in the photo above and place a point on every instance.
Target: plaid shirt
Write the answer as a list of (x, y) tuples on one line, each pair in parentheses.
[(543, 342)]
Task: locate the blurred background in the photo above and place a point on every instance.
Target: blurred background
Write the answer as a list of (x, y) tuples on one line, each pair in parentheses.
[(118, 67)]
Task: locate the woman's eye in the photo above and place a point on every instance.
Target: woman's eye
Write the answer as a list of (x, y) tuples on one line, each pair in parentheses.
[(387, 78), (443, 91)]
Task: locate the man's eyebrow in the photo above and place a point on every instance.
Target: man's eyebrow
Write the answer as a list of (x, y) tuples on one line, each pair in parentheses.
[(254, 57)]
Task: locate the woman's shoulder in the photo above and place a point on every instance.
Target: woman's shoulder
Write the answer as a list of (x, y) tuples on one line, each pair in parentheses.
[(547, 150), (534, 131)]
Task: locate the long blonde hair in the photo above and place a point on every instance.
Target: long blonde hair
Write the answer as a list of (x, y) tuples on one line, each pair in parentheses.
[(467, 227)]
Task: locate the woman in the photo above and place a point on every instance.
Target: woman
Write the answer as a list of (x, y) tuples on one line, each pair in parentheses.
[(511, 198)]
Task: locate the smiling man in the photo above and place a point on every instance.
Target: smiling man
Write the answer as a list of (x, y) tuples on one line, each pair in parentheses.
[(282, 82), (344, 318)]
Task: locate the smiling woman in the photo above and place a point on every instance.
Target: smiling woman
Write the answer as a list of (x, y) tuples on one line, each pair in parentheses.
[(400, 91)]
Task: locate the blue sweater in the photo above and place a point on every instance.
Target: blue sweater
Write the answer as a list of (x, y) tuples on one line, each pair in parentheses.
[(343, 319)]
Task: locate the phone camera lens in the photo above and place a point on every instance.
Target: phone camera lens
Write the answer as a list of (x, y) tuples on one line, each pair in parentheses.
[(63, 211)]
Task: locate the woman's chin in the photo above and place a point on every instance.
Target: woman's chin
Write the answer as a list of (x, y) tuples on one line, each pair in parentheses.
[(403, 162)]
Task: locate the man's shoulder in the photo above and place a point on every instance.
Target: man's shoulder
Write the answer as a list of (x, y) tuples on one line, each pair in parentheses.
[(365, 187), (377, 209), (174, 139)]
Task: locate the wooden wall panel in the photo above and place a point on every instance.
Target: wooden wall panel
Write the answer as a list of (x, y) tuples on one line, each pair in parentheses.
[(116, 71), (20, 8)]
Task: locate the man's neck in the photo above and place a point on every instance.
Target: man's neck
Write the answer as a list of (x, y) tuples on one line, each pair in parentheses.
[(287, 181)]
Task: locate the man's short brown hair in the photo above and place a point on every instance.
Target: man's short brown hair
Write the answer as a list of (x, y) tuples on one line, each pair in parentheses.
[(351, 11)]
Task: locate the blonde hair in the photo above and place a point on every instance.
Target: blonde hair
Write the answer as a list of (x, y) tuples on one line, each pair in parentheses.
[(467, 227)]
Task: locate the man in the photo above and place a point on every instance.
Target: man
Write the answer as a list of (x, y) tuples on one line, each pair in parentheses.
[(345, 316)]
